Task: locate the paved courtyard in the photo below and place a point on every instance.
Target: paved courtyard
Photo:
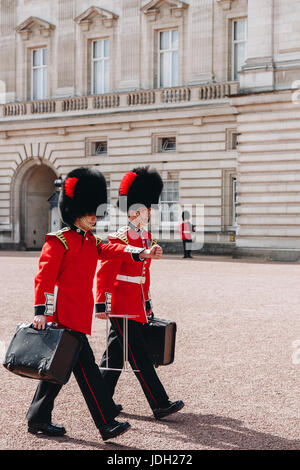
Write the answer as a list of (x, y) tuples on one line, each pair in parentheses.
[(235, 366)]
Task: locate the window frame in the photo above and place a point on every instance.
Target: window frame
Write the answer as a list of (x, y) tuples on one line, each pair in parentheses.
[(94, 147), (234, 200), (234, 42), (43, 67), (103, 59), (169, 223), (159, 52)]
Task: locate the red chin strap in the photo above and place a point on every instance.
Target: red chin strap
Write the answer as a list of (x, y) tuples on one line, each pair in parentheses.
[(126, 182), (70, 184)]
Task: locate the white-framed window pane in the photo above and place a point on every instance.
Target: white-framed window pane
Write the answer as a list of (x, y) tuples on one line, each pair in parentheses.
[(169, 202), (174, 39), (106, 48), (239, 46), (100, 66), (44, 56), (239, 33), (164, 40), (168, 58), (44, 78), (37, 81), (174, 68), (39, 74), (97, 49), (36, 58), (239, 57), (98, 77), (106, 76)]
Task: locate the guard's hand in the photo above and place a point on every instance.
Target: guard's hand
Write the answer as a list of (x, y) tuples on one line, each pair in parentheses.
[(101, 315), (155, 253), (40, 322)]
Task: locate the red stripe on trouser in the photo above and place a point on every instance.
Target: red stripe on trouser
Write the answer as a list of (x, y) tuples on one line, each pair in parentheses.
[(137, 366), (98, 406)]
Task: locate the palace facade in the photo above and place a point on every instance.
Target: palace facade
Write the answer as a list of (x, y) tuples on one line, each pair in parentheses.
[(206, 91)]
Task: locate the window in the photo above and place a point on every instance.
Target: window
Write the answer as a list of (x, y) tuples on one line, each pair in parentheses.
[(229, 199), (99, 148), (239, 46), (231, 139), (100, 66), (39, 74), (234, 202), (169, 202), (167, 144), (168, 58)]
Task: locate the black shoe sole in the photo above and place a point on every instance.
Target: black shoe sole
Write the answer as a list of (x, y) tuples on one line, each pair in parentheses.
[(115, 434), (164, 415), (35, 431)]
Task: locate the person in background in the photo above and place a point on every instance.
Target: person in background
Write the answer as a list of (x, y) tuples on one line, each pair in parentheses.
[(186, 230)]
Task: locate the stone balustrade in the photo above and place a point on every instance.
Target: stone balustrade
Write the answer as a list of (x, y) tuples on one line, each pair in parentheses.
[(143, 98)]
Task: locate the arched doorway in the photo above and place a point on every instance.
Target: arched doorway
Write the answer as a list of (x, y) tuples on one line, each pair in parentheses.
[(37, 187)]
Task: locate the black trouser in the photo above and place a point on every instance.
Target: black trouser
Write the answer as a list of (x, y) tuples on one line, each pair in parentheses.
[(138, 359), (187, 248), (92, 386)]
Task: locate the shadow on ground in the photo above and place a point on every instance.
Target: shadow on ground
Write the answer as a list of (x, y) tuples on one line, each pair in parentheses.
[(218, 432)]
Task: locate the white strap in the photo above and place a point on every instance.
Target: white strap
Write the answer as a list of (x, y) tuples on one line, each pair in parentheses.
[(134, 279)]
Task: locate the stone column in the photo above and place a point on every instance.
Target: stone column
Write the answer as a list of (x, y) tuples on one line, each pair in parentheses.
[(201, 35), (129, 45), (258, 71), (65, 48), (7, 50)]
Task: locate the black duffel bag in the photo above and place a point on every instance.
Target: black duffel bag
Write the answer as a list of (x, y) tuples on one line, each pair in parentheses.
[(160, 337), (48, 354)]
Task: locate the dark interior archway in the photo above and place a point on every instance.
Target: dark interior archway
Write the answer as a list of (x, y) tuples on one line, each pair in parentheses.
[(37, 187)]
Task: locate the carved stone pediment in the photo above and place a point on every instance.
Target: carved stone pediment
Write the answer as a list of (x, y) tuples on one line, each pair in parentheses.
[(152, 9), (85, 19), (32, 24)]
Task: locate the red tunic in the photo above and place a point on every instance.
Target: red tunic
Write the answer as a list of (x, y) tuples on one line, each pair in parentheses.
[(118, 296), (186, 231), (64, 283)]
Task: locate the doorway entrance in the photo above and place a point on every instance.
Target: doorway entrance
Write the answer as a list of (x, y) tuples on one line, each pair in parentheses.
[(37, 187)]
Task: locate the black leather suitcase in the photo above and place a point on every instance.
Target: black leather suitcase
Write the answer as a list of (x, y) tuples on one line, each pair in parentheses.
[(160, 337), (48, 354)]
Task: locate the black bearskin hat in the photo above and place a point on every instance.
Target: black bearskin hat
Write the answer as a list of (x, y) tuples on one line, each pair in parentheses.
[(140, 186), (83, 190)]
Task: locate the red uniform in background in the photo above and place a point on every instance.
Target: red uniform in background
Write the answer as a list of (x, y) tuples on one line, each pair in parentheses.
[(186, 229)]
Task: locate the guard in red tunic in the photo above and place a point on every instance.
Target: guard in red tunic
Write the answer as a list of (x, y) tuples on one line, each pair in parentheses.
[(63, 294), (123, 289), (186, 230)]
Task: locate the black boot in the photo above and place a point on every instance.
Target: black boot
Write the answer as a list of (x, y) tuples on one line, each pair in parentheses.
[(119, 408), (168, 409), (48, 429), (113, 429)]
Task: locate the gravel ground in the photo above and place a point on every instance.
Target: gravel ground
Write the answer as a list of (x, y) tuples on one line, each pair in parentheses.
[(234, 365)]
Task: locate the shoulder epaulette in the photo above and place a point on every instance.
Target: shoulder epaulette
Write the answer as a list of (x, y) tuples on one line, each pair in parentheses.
[(98, 240), (121, 234), (153, 242), (60, 235)]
